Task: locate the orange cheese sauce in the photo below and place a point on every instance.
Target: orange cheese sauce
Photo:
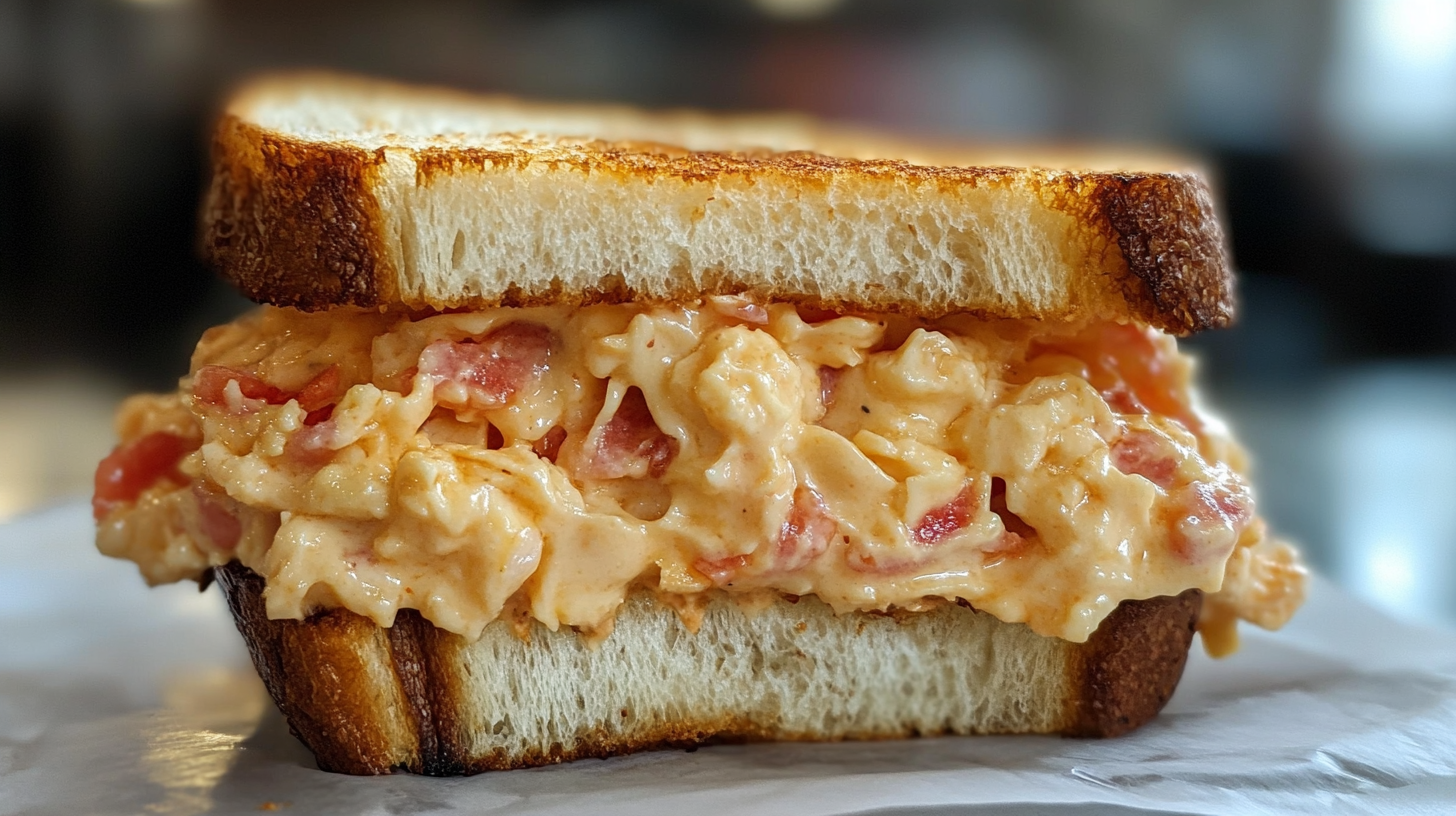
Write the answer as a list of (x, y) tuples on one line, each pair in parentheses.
[(555, 458)]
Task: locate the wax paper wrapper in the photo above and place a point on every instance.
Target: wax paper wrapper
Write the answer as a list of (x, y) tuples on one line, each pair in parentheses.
[(116, 699)]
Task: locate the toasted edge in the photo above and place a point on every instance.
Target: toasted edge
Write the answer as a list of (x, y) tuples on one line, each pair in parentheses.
[(1130, 667), (292, 224), (322, 673)]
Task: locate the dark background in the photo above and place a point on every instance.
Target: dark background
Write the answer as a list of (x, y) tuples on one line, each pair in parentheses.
[(1331, 127)]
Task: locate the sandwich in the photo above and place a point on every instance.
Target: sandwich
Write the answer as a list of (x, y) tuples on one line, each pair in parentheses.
[(573, 431)]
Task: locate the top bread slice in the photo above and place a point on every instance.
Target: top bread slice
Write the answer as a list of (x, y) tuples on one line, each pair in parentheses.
[(332, 191)]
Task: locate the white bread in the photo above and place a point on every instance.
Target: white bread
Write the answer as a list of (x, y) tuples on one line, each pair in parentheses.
[(412, 697), (330, 191)]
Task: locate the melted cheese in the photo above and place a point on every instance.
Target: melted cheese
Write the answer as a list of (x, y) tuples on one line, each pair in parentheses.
[(875, 462)]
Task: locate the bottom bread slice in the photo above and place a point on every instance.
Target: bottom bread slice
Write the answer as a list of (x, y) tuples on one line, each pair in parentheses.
[(370, 700)]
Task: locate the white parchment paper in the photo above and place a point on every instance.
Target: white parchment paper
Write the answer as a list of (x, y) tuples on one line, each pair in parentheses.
[(116, 699)]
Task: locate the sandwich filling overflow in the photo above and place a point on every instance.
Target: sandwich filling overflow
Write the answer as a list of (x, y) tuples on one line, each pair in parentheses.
[(541, 463)]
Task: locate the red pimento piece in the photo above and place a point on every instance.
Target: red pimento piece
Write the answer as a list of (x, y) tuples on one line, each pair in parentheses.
[(829, 385), (805, 534), (1144, 453), (316, 398), (939, 524), (1133, 372), (312, 446), (218, 522), (491, 370), (1123, 400), (944, 521), (1131, 355), (321, 391), (209, 386), (135, 466), (321, 415), (548, 447), (1206, 515), (630, 444), (721, 570)]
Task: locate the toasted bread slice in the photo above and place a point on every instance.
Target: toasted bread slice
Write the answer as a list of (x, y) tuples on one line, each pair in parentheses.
[(368, 700), (330, 191)]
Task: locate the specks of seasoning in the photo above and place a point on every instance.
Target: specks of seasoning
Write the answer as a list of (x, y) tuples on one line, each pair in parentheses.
[(865, 408)]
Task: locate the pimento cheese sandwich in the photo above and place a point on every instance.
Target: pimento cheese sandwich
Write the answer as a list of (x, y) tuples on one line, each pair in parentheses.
[(576, 431)]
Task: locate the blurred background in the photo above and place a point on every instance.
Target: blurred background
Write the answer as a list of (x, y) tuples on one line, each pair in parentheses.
[(1331, 126)]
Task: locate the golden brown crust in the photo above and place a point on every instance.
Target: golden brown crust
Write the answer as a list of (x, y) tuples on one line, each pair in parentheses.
[(292, 224), (295, 223), (362, 723), (317, 673), (1170, 240), (1127, 671)]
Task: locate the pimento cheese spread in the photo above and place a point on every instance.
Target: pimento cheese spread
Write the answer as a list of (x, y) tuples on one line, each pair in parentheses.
[(555, 458)]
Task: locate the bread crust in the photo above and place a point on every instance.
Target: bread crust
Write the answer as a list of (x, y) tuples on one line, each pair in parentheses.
[(297, 221), (291, 224), (413, 717), (1131, 665)]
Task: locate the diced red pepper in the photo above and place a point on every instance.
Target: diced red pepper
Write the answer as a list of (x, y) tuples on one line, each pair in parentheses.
[(944, 521), (805, 534), (1132, 371), (321, 391), (630, 444), (135, 466), (1144, 453), (829, 385), (721, 570), (492, 369), (217, 520), (209, 386)]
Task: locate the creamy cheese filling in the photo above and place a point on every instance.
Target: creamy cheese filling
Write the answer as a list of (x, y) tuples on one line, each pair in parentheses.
[(554, 458)]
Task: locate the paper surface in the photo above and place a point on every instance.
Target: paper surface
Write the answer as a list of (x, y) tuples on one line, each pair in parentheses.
[(116, 699)]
